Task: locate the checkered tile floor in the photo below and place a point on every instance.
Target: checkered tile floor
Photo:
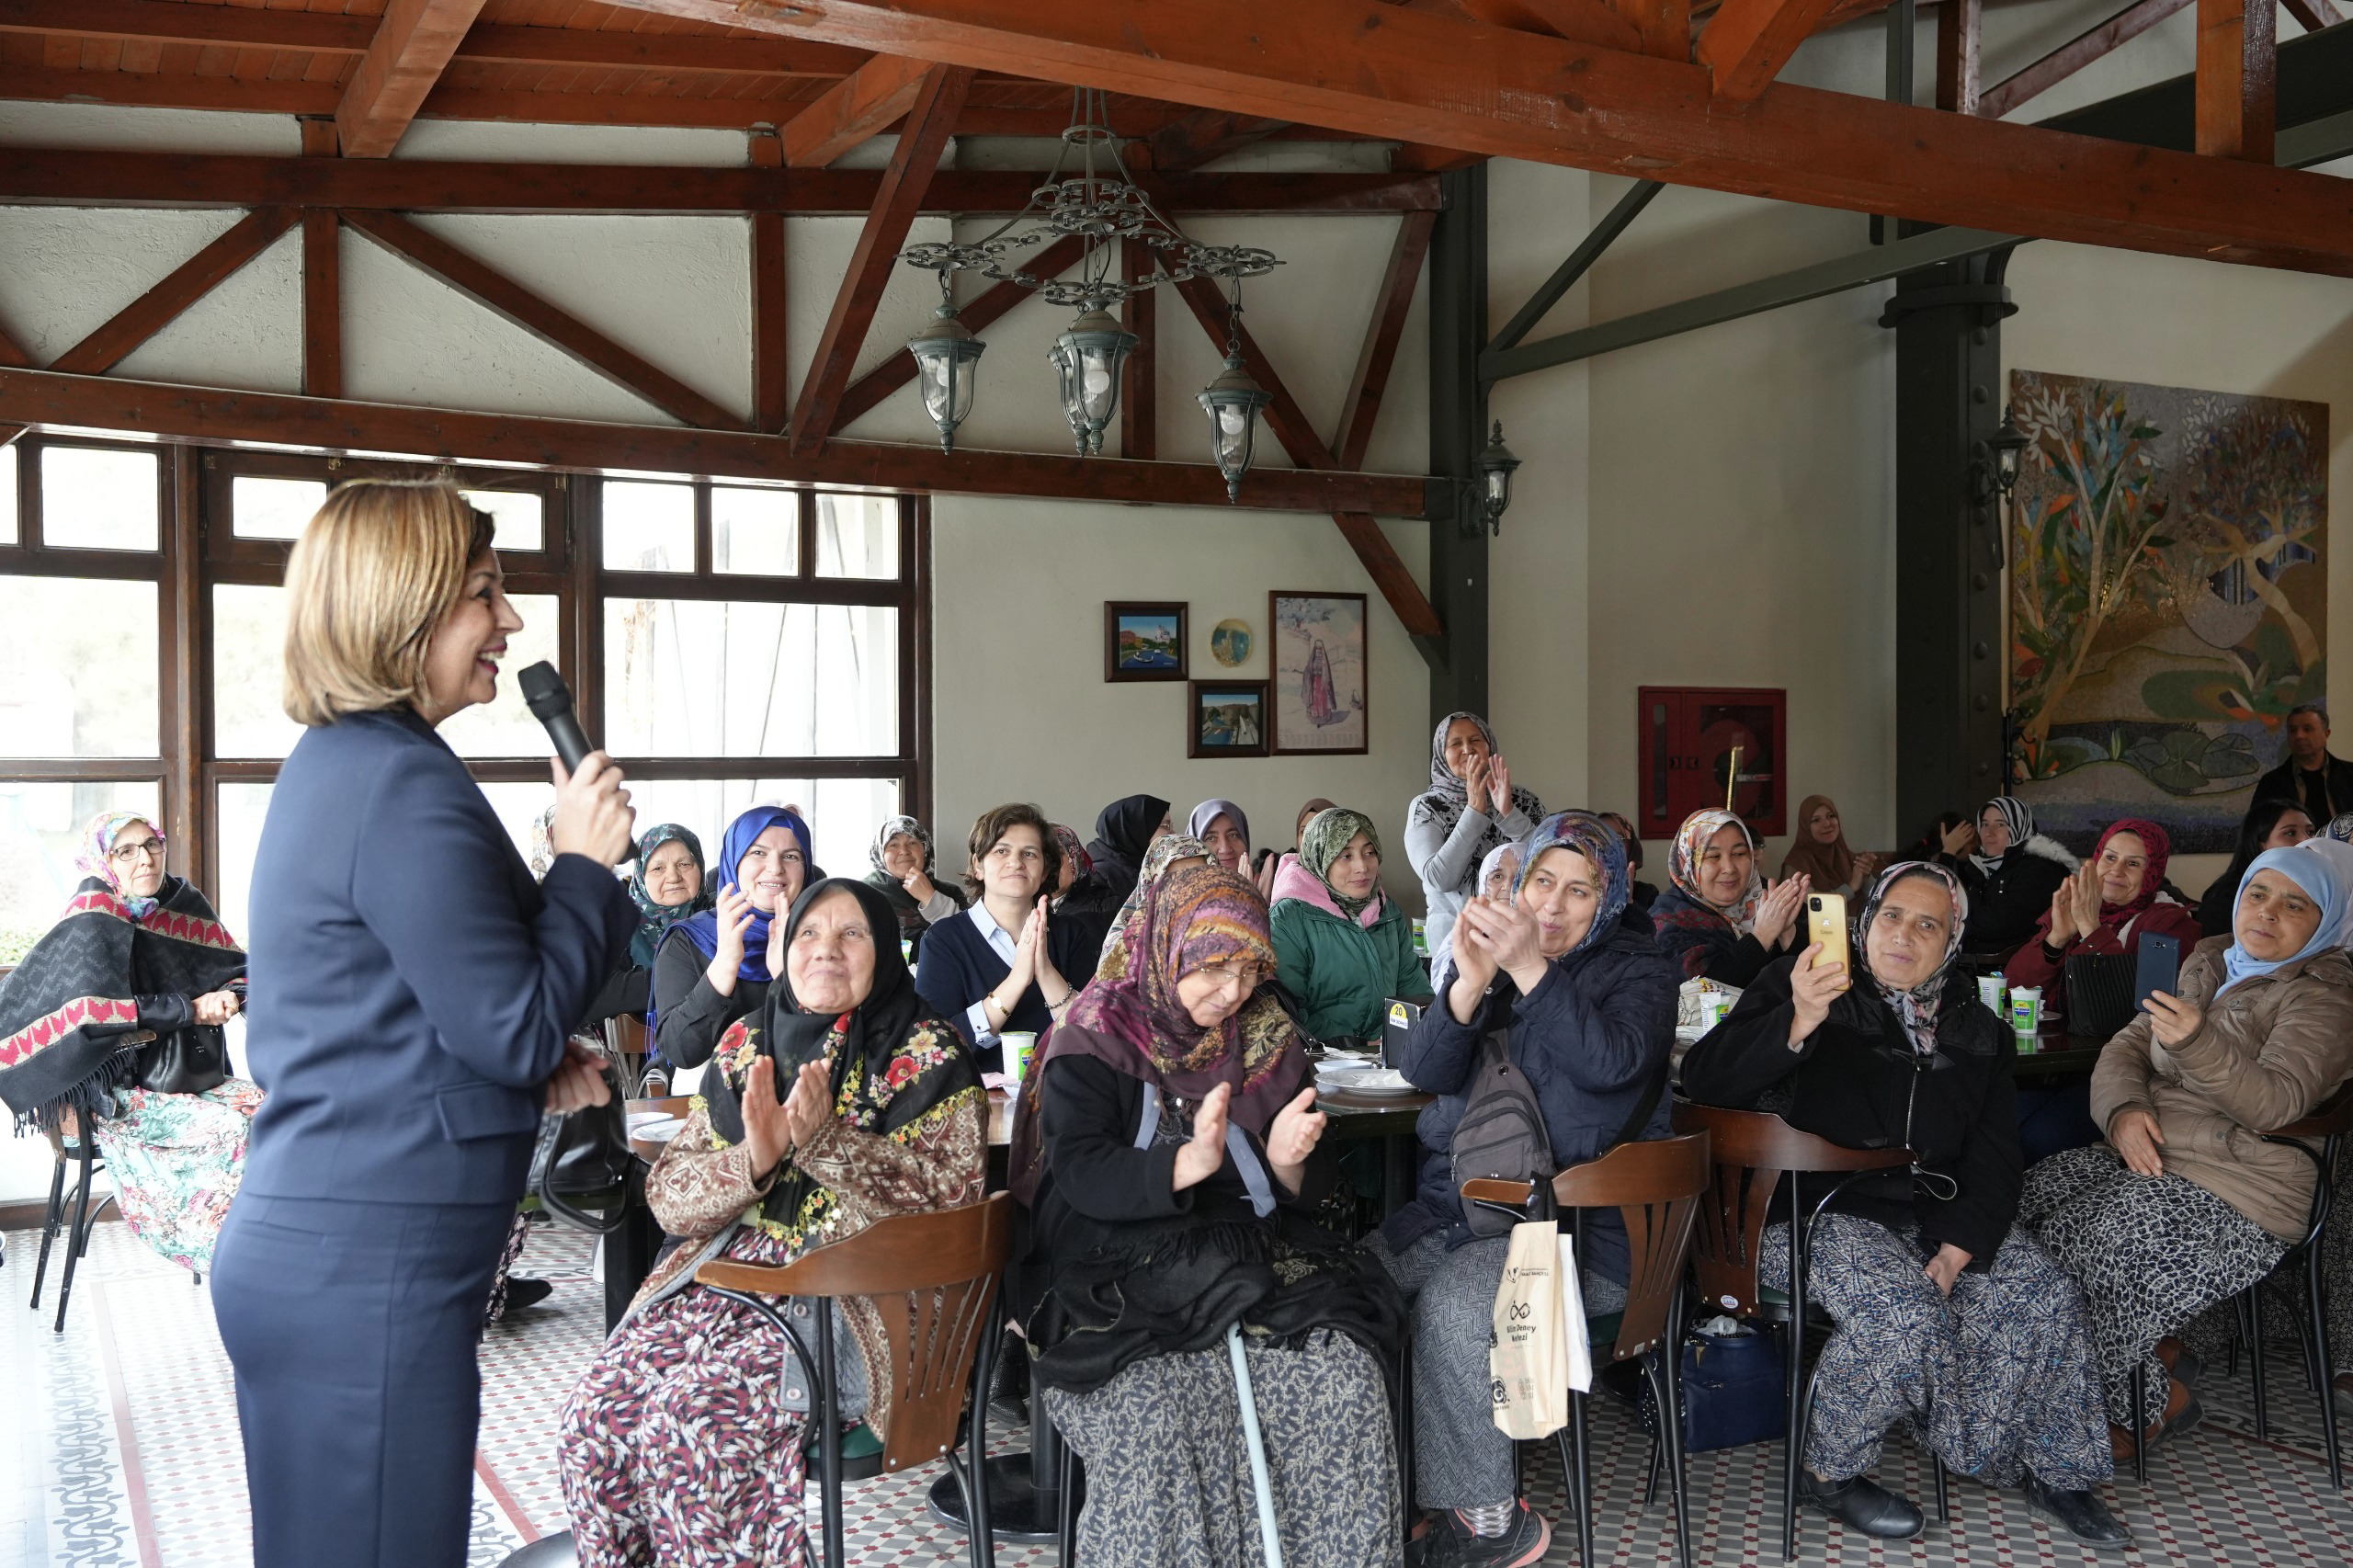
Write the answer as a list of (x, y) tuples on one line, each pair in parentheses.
[(119, 1451)]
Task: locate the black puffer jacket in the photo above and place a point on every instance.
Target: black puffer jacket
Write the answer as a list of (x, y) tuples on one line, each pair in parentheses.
[(2004, 904), (1856, 1081)]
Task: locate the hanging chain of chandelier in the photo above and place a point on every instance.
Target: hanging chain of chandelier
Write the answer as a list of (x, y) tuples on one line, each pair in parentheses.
[(1089, 195)]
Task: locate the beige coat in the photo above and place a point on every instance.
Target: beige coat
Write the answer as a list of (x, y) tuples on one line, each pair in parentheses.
[(2267, 1053)]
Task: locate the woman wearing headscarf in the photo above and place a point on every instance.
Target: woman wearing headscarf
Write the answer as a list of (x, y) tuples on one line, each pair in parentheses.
[(1342, 949), (1950, 1315), (1220, 824), (1819, 852), (2276, 822), (2105, 907), (667, 884), (902, 874), (841, 1100), (1496, 874), (1076, 861), (110, 1023), (2186, 1205), (1171, 1164), (1718, 919), (1589, 1004), (1123, 831), (2010, 872), (713, 968), (1470, 807)]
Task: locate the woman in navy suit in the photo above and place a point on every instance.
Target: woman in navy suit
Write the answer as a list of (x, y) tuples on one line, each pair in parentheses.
[(420, 988)]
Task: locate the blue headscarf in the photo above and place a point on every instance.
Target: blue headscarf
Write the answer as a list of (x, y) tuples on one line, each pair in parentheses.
[(1597, 842), (703, 929), (2319, 875)]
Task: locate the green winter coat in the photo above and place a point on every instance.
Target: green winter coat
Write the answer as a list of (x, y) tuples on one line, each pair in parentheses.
[(1341, 972)]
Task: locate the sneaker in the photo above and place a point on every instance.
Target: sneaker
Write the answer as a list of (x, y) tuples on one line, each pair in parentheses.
[(2079, 1513), (1453, 1544)]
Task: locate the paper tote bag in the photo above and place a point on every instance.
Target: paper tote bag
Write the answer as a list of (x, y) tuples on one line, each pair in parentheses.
[(1527, 1355)]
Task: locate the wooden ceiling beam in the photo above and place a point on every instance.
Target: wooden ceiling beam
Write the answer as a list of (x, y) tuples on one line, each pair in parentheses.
[(2072, 56), (1960, 29), (413, 45), (218, 417), (1409, 77), (2238, 78), (40, 176), (550, 323), (853, 110), (160, 306), (1361, 408), (1583, 21), (1204, 136), (930, 120), (2314, 14), (1746, 42)]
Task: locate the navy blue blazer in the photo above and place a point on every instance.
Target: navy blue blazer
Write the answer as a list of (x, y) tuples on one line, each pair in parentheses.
[(412, 986)]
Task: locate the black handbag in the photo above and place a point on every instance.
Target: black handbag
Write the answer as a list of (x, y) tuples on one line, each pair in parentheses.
[(184, 1061), (583, 1158), (2100, 992)]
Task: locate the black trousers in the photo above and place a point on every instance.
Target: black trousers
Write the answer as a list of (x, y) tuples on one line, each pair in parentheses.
[(353, 1329)]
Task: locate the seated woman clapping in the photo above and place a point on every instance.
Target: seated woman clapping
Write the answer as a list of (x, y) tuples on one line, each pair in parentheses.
[(1171, 1155), (1949, 1316), (1590, 1006), (2106, 905), (1719, 920), (712, 968), (842, 1100), (2186, 1205)]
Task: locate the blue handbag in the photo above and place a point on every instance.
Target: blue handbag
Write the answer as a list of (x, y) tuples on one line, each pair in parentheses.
[(1732, 1391)]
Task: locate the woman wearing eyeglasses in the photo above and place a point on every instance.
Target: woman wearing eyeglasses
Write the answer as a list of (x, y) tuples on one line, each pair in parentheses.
[(115, 1015), (714, 968)]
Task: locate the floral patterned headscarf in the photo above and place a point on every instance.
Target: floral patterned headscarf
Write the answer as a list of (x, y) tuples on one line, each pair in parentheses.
[(1594, 839), (1074, 853), (655, 920), (96, 856), (1916, 1009), (891, 828), (1683, 866), (1328, 835)]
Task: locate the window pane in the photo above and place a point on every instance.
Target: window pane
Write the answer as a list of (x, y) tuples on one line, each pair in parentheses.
[(519, 806), (520, 517), (505, 727), (858, 536), (78, 668), (248, 664), (699, 678), (842, 812), (7, 495), (755, 531), (272, 508), (238, 826), (649, 528), (40, 832), (92, 499)]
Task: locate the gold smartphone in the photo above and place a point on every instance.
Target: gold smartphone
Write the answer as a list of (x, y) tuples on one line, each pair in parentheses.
[(1825, 922)]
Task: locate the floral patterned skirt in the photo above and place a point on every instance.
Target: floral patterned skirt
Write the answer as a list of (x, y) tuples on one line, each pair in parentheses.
[(678, 1448), (176, 1160)]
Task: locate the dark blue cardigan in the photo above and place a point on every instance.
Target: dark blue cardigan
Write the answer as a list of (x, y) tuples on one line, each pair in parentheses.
[(959, 968)]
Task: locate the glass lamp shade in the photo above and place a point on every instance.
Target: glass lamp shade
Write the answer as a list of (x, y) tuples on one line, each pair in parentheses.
[(2010, 443), (945, 355), (1233, 401), (1496, 463), (1089, 359)]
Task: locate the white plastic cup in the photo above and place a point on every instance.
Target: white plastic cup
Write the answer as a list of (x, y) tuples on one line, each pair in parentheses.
[(1018, 1046), (2026, 1014), (1989, 991)]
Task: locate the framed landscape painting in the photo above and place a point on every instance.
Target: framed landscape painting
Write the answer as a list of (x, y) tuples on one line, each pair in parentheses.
[(1317, 693), (1226, 718), (1143, 642)]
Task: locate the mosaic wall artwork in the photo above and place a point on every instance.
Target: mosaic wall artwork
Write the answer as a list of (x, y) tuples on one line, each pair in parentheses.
[(2168, 600)]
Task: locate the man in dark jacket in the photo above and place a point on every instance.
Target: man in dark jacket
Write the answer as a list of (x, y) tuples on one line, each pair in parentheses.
[(2312, 776), (1948, 1315)]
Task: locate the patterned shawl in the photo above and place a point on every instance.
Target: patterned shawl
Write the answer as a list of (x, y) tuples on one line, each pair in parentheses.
[(1831, 866), (2152, 881), (1683, 866), (2020, 817), (65, 1007), (655, 920), (1448, 797), (1916, 1009), (1328, 834), (2339, 828), (1594, 839)]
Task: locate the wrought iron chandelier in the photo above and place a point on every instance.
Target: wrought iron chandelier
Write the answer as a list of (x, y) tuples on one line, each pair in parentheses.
[(1088, 195)]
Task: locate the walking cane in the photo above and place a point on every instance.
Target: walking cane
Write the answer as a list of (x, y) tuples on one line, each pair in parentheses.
[(1258, 1483)]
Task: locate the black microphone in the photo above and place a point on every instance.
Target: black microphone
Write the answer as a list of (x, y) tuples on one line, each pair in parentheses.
[(551, 702)]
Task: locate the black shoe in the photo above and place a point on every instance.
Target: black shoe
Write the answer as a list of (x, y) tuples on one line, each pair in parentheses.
[(2081, 1514), (521, 1293), (1453, 1544), (1864, 1504)]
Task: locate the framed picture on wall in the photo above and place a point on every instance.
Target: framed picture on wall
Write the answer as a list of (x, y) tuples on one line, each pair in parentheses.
[(1226, 718), (1318, 693), (1143, 642)]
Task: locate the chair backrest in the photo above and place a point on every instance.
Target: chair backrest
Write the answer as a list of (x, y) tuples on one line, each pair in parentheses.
[(933, 1279), (2332, 1118), (1751, 1149), (1655, 1186), (626, 1032)]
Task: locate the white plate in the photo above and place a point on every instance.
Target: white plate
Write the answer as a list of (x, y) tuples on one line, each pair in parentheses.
[(638, 1118), (660, 1131), (1376, 1081)]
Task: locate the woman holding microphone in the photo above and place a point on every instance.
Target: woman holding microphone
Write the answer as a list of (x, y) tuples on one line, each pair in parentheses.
[(419, 990)]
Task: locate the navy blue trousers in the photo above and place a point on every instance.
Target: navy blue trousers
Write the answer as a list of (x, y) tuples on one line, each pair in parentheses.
[(353, 1329)]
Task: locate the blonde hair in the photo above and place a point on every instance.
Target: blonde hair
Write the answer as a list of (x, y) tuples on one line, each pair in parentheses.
[(377, 568)]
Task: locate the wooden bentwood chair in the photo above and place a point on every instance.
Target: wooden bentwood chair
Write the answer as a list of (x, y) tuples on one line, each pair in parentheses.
[(1753, 1150), (2329, 1123), (1656, 1188), (934, 1278)]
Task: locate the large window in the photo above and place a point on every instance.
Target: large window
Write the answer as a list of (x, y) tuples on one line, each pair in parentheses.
[(732, 643)]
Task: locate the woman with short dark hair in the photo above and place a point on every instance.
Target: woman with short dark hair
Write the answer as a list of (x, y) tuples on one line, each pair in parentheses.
[(1006, 965), (2275, 822)]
